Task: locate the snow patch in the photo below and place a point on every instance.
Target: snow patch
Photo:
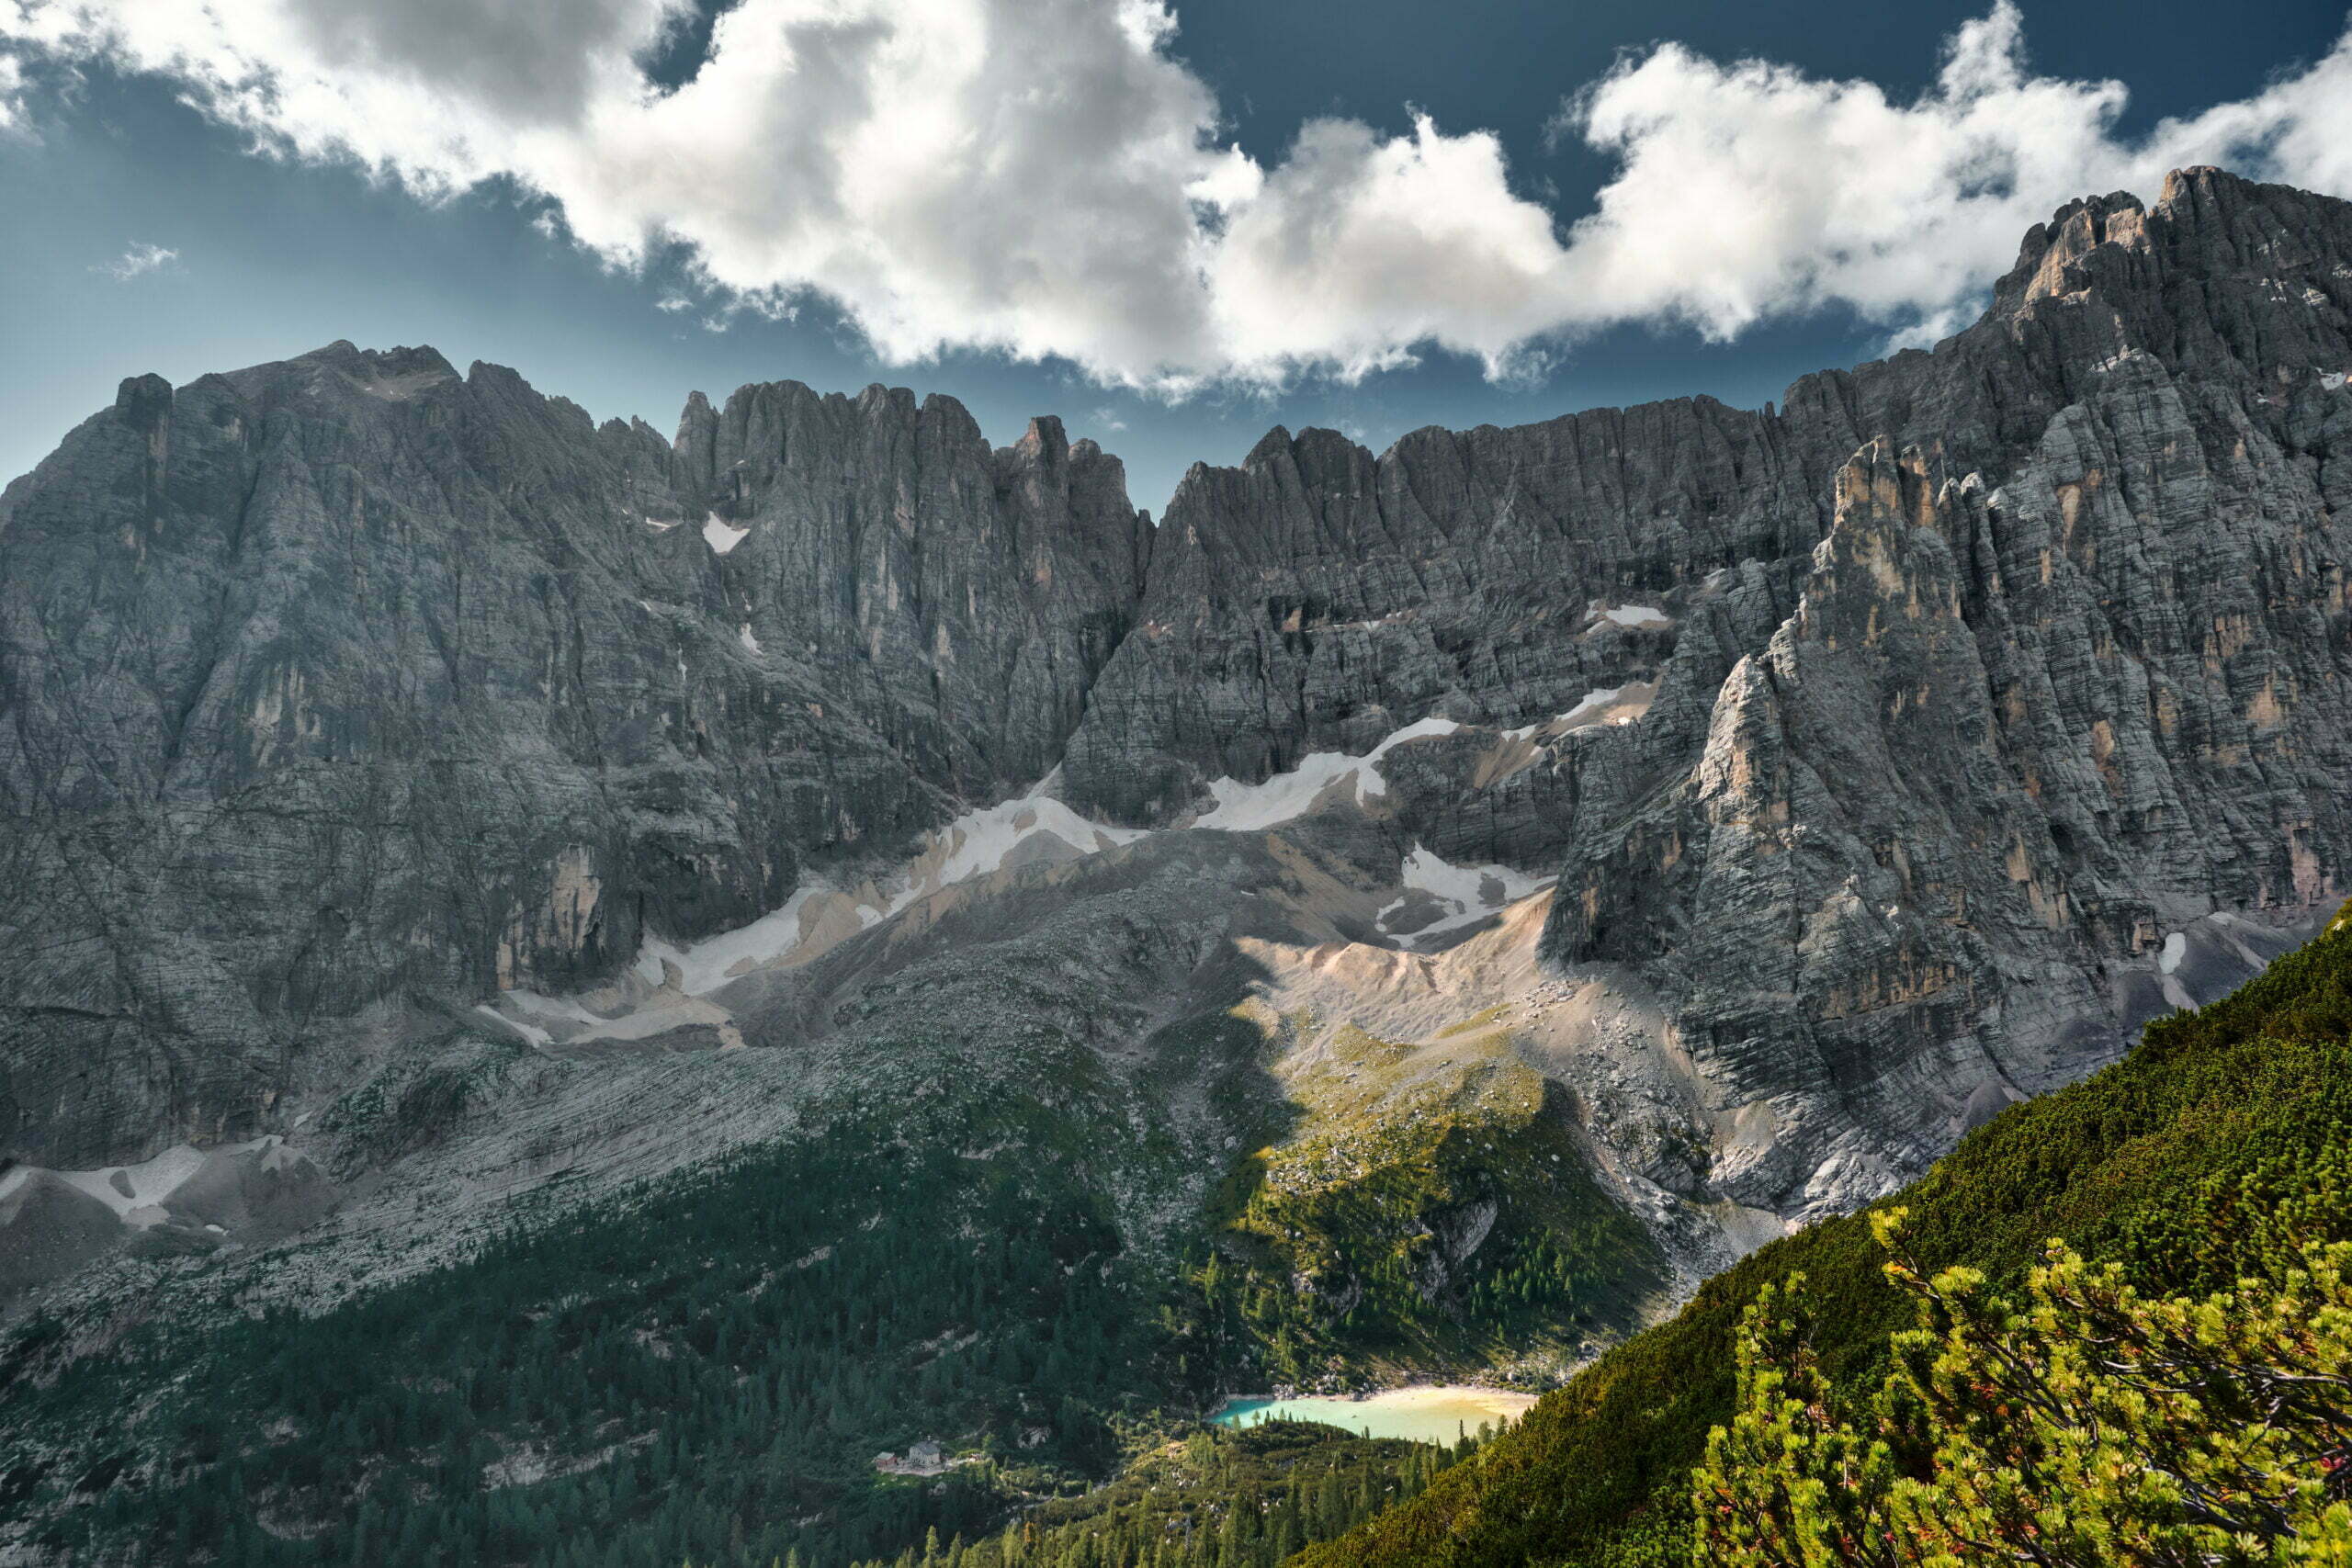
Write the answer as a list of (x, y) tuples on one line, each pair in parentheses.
[(531, 1032), (150, 1182), (2175, 949), (1602, 705), (749, 641), (1374, 624), (659, 526), (703, 965), (2334, 381), (128, 1188), (1634, 617), (1463, 895), (722, 537), (551, 1007), (1284, 798), (1492, 885), (980, 843), (1027, 828)]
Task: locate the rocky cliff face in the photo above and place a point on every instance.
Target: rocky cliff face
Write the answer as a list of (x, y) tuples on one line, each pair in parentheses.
[(346, 678), (1879, 788), (1951, 741)]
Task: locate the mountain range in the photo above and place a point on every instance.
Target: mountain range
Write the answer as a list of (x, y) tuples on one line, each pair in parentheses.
[(1428, 910)]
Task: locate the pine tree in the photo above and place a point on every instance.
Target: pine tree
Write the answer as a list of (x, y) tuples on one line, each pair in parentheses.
[(2097, 1428)]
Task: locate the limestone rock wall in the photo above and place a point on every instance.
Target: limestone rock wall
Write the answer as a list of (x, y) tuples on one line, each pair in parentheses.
[(353, 677)]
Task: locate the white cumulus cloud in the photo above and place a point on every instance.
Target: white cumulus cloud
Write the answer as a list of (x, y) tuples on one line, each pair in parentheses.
[(1749, 189), (1045, 179), (138, 261)]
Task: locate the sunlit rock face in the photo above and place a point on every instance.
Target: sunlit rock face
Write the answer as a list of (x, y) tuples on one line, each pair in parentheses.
[(1969, 679), (1803, 784)]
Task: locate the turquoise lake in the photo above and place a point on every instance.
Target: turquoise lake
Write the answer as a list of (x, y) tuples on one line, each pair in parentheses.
[(1423, 1414)]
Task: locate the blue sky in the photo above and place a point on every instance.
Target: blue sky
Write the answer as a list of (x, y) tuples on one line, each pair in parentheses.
[(287, 231)]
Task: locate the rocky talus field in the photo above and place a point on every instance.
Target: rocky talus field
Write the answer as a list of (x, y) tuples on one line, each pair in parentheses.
[(657, 970)]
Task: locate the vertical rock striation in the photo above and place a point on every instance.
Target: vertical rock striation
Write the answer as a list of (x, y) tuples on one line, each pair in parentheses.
[(1949, 737), (350, 677)]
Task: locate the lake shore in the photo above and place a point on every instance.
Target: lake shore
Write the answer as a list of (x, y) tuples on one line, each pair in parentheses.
[(1426, 1414)]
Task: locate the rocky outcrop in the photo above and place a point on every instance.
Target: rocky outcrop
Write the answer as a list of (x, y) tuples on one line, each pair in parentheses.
[(48, 1229), (967, 597), (184, 1202)]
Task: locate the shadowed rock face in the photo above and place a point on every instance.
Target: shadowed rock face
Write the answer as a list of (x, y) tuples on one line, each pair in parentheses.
[(349, 678), (345, 677)]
